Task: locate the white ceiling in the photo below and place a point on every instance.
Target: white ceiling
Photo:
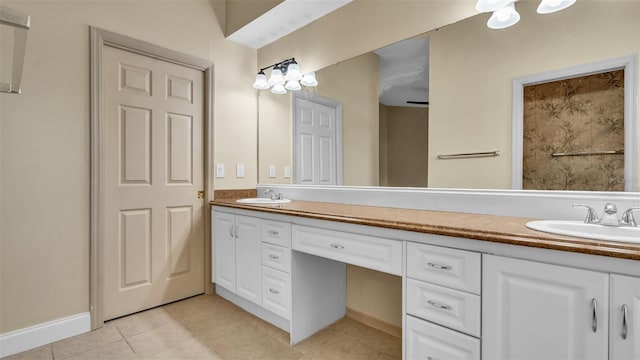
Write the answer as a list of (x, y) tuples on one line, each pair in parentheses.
[(404, 72), (283, 19)]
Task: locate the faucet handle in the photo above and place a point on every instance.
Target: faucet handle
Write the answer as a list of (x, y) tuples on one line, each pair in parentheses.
[(628, 218), (610, 209), (591, 217)]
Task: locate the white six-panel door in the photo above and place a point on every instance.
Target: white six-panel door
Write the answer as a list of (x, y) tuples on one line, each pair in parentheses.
[(316, 143), (533, 311), (153, 226)]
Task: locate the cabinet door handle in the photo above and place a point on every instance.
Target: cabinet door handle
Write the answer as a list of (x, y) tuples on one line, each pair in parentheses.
[(274, 257), (274, 291), (439, 267), (439, 306), (231, 231), (236, 231), (337, 246), (271, 232), (594, 317), (624, 322)]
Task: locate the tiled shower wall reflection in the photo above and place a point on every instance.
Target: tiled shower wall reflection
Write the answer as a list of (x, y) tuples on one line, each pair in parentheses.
[(582, 114)]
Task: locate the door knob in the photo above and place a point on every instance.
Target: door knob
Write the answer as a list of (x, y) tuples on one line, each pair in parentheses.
[(200, 194)]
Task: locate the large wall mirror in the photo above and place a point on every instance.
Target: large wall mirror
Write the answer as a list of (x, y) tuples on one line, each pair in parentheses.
[(465, 71)]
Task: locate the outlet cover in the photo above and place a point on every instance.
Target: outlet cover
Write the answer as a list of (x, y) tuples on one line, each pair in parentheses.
[(219, 170), (287, 172), (239, 171), (272, 171)]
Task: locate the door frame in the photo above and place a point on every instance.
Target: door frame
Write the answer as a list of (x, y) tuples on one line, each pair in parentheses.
[(100, 38), (629, 64), (304, 95)]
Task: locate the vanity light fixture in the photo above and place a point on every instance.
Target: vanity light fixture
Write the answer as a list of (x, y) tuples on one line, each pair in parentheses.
[(505, 14), (284, 76)]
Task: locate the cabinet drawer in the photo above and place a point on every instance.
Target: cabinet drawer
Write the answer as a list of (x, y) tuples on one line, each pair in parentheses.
[(457, 269), (452, 308), (367, 251), (276, 233), (430, 341), (276, 292), (276, 257)]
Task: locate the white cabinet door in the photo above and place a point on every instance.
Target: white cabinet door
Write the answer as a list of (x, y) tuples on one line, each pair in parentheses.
[(538, 311), (248, 259), (625, 318), (224, 250)]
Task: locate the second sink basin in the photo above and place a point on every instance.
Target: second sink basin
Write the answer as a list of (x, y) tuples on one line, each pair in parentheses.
[(263, 201), (589, 231)]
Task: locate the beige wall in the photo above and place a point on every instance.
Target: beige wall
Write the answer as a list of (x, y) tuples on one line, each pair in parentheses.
[(376, 294), (274, 136), (472, 67), (382, 144), (44, 141), (407, 130)]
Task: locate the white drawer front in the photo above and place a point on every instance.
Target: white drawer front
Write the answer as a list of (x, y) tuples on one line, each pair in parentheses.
[(367, 251), (276, 257), (430, 341), (452, 308), (457, 269), (276, 292), (276, 232)]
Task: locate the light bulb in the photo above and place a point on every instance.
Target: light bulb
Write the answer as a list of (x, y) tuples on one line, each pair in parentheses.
[(550, 6), (276, 77), (278, 89), (503, 18), (491, 5), (293, 85), (261, 81), (293, 72), (309, 79)]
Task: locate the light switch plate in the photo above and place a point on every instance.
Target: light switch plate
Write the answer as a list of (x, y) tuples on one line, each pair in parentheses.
[(219, 170), (287, 172), (239, 170), (272, 171)]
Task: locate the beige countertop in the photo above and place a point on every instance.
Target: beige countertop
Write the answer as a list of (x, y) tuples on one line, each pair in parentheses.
[(500, 229)]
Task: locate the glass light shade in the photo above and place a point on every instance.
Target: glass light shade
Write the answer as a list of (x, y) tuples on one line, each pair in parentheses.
[(278, 89), (276, 77), (309, 80), (293, 72), (293, 85), (549, 6), (503, 18), (491, 5), (261, 82)]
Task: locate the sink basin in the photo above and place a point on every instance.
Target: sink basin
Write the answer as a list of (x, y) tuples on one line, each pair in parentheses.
[(263, 201), (589, 231)]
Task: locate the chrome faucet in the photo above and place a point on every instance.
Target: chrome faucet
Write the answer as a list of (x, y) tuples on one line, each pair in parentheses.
[(273, 195), (609, 217)]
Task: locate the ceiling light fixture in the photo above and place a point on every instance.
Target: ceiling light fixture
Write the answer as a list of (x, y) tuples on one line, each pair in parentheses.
[(284, 76), (505, 14)]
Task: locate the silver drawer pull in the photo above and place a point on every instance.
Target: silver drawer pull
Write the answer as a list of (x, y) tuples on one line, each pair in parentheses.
[(439, 306), (271, 232), (274, 291), (274, 257), (440, 267), (624, 322), (594, 316), (337, 246)]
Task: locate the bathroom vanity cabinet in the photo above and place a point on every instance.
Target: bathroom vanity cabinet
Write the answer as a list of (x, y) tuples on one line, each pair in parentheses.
[(462, 298)]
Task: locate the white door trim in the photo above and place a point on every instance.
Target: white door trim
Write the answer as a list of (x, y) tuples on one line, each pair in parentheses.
[(629, 64), (324, 101), (100, 38)]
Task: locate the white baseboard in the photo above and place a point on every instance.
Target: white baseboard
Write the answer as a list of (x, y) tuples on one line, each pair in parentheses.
[(45, 333)]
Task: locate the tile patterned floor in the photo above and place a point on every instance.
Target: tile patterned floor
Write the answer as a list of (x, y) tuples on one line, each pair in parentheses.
[(209, 327)]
